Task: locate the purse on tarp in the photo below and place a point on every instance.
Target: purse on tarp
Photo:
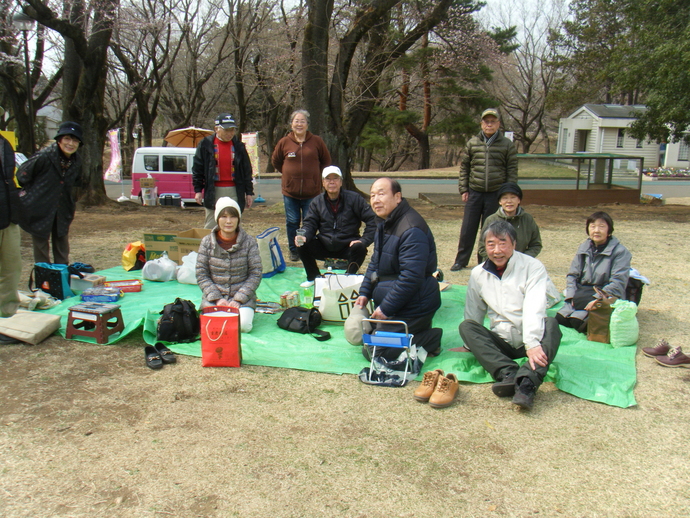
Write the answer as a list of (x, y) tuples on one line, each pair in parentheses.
[(599, 318), (220, 337), (272, 260), (304, 321), (337, 295), (53, 279)]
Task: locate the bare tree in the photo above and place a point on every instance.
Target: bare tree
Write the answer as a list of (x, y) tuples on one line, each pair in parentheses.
[(87, 32), (524, 78)]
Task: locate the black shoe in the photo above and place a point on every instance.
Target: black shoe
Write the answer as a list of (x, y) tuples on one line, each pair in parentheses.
[(166, 354), (505, 387), (456, 267), (524, 394), (294, 256), (153, 358)]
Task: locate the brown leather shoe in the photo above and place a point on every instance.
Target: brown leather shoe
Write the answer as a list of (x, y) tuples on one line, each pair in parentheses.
[(428, 385), (674, 358), (661, 348), (446, 391)]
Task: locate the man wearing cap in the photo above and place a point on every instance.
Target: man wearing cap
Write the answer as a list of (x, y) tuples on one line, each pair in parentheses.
[(222, 168), (528, 237), (10, 256), (47, 180), (489, 160), (332, 227)]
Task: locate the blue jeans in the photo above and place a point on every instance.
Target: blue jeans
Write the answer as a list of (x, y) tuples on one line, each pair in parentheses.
[(295, 212)]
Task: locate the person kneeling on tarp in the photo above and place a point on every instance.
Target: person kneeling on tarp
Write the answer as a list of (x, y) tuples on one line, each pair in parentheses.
[(228, 268), (511, 288)]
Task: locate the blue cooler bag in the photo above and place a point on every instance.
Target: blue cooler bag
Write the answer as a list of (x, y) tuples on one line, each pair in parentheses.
[(53, 279)]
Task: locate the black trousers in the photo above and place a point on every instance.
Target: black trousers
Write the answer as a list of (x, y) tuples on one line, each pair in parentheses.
[(314, 250), (479, 206), (498, 357)]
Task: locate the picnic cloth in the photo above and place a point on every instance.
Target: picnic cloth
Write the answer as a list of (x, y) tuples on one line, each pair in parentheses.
[(589, 370)]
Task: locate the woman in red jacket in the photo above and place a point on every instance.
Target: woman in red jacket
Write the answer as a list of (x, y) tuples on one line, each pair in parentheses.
[(300, 157)]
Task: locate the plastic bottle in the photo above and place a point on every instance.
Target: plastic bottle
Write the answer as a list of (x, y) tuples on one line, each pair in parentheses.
[(308, 296)]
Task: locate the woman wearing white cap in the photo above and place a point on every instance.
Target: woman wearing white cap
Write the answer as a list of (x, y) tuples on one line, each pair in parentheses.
[(228, 268)]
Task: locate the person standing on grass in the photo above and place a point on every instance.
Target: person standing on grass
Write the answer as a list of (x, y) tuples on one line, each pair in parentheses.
[(47, 181), (510, 287), (10, 256), (222, 168), (299, 157), (489, 161)]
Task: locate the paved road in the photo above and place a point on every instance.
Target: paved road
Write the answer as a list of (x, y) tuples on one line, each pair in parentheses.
[(270, 188)]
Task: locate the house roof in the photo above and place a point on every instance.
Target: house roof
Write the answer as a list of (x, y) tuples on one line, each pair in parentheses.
[(615, 111)]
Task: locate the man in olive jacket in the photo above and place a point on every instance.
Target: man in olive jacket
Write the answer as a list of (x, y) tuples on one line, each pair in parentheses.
[(490, 160), (10, 256)]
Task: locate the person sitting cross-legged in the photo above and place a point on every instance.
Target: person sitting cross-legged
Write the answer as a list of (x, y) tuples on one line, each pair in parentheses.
[(511, 288), (332, 227)]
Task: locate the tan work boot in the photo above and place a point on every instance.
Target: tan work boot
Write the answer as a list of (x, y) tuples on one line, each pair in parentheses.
[(428, 385), (446, 391)]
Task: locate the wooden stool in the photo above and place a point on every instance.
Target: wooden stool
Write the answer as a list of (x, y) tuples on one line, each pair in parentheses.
[(94, 319)]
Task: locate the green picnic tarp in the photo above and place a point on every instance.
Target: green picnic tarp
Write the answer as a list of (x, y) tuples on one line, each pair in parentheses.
[(589, 370)]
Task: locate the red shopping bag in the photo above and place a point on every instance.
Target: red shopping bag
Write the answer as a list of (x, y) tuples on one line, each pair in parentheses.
[(220, 337)]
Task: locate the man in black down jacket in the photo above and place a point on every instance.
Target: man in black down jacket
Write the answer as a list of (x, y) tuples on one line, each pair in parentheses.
[(332, 227), (400, 275), (10, 256), (489, 161), (222, 168)]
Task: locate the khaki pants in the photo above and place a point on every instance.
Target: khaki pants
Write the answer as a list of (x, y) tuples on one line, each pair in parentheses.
[(10, 269)]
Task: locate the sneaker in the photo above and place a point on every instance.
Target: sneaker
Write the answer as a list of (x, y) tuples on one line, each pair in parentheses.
[(294, 256), (524, 394), (505, 387), (445, 392), (674, 358), (306, 284), (428, 385), (661, 348)]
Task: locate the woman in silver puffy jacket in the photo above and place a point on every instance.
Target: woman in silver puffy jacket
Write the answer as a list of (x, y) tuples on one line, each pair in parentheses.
[(601, 262), (228, 268)]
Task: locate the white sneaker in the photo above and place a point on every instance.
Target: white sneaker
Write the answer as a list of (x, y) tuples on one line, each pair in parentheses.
[(306, 284)]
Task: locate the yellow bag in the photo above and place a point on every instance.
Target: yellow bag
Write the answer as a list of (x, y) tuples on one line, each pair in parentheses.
[(134, 256)]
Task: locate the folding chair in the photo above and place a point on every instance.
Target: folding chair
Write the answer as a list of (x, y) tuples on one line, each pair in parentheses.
[(387, 339)]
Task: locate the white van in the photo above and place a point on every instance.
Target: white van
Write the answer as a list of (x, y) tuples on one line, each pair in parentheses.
[(170, 166)]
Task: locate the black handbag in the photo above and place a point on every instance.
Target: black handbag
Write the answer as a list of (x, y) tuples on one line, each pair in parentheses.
[(304, 321)]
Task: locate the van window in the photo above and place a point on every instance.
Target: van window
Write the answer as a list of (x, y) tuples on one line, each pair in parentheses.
[(175, 164), (151, 162)]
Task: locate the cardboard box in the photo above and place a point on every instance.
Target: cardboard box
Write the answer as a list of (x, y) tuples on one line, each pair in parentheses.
[(147, 182), (188, 241), (161, 242)]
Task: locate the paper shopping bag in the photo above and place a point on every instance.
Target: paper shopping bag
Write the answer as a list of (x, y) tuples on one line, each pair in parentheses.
[(220, 337)]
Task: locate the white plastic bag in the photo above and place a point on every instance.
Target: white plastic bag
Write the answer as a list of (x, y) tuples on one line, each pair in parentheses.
[(162, 269), (186, 274)]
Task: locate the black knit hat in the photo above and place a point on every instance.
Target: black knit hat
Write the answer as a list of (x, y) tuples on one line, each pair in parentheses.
[(510, 187), (70, 128)]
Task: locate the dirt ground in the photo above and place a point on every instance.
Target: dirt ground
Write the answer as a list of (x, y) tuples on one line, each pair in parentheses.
[(89, 430)]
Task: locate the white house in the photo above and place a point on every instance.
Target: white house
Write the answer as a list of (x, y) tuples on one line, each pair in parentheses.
[(677, 154), (600, 128), (49, 117)]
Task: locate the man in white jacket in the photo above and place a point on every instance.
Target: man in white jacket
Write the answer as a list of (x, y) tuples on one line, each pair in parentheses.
[(511, 288)]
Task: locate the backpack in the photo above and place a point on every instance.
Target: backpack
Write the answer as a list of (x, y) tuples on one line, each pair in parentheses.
[(179, 323)]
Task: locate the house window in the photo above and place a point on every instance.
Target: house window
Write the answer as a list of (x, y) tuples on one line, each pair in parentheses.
[(683, 151), (621, 136), (564, 140), (638, 145)]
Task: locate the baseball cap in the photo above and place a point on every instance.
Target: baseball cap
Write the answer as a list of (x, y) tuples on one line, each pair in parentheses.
[(331, 169), (490, 111), (225, 121)]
